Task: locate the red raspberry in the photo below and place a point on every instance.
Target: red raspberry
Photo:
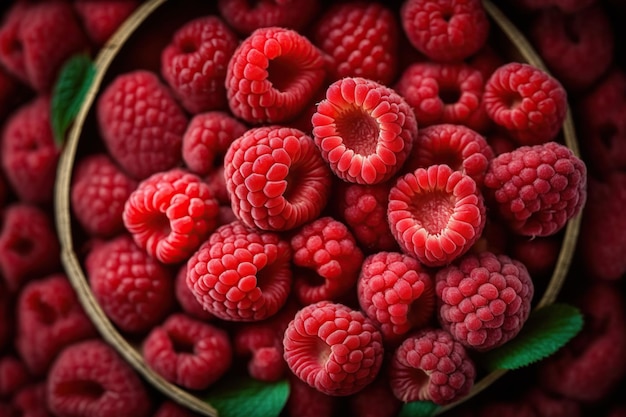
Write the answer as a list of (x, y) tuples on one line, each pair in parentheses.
[(187, 301), (537, 189), (90, 378), (327, 260), (276, 178), (486, 60), (577, 47), (49, 318), (135, 291), (444, 93), (171, 214), (436, 214), (101, 18), (12, 93), (29, 153), (246, 17), (457, 146), (98, 193), (141, 124), (170, 408), (360, 40), (30, 401), (241, 274), (365, 130), (528, 102), (539, 255), (28, 245), (397, 293), (188, 352), (36, 38), (217, 183), (306, 401), (375, 400), (207, 138), (484, 299), (194, 63), (333, 348), (272, 75), (445, 30), (431, 366), (546, 404), (13, 375)]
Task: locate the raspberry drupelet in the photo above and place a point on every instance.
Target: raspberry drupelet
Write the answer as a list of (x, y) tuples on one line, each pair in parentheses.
[(185, 298), (527, 101), (484, 299), (445, 30), (241, 274), (170, 214), (537, 189), (272, 75), (364, 130), (333, 348), (430, 365), (194, 63), (276, 178), (436, 214), (397, 293), (246, 17)]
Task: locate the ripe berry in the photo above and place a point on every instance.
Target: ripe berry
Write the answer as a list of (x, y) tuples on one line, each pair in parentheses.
[(187, 301), (246, 17), (13, 375), (101, 18)]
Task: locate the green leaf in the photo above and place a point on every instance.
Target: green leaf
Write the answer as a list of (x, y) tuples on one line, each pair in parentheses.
[(547, 330), (248, 397), (418, 409), (68, 93)]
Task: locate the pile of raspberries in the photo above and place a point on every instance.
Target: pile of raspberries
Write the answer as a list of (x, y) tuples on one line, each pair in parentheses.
[(357, 196)]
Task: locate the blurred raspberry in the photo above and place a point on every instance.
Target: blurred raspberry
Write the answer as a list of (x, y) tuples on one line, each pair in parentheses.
[(306, 401), (567, 6), (13, 375), (444, 93), (187, 301), (194, 63), (539, 254), (141, 124), (101, 18), (29, 247), (375, 400), (170, 408), (217, 183), (436, 214), (484, 299), (99, 191), (537, 189), (445, 30), (241, 274), (134, 290), (29, 153), (276, 178), (12, 93), (364, 130), (246, 17), (486, 60), (333, 348), (90, 378), (170, 214), (360, 40), (30, 401), (272, 75)]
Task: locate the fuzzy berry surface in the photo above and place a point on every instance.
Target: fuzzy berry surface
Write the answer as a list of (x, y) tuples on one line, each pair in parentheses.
[(101, 18), (246, 17)]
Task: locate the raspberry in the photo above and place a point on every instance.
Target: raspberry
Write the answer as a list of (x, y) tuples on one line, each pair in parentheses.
[(217, 183), (28, 245), (29, 153), (307, 401), (333, 348), (375, 400), (539, 255), (90, 378), (445, 30), (141, 124), (457, 146), (240, 274), (13, 375), (194, 63), (537, 189), (246, 17), (360, 39), (99, 191), (364, 130), (170, 214), (431, 366), (327, 260), (186, 299), (101, 18), (444, 93), (49, 318), (207, 138), (12, 93), (272, 75), (134, 290), (188, 352), (397, 293), (36, 38), (484, 299), (276, 178), (31, 401), (528, 102), (169, 408), (486, 60), (436, 214), (577, 47)]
